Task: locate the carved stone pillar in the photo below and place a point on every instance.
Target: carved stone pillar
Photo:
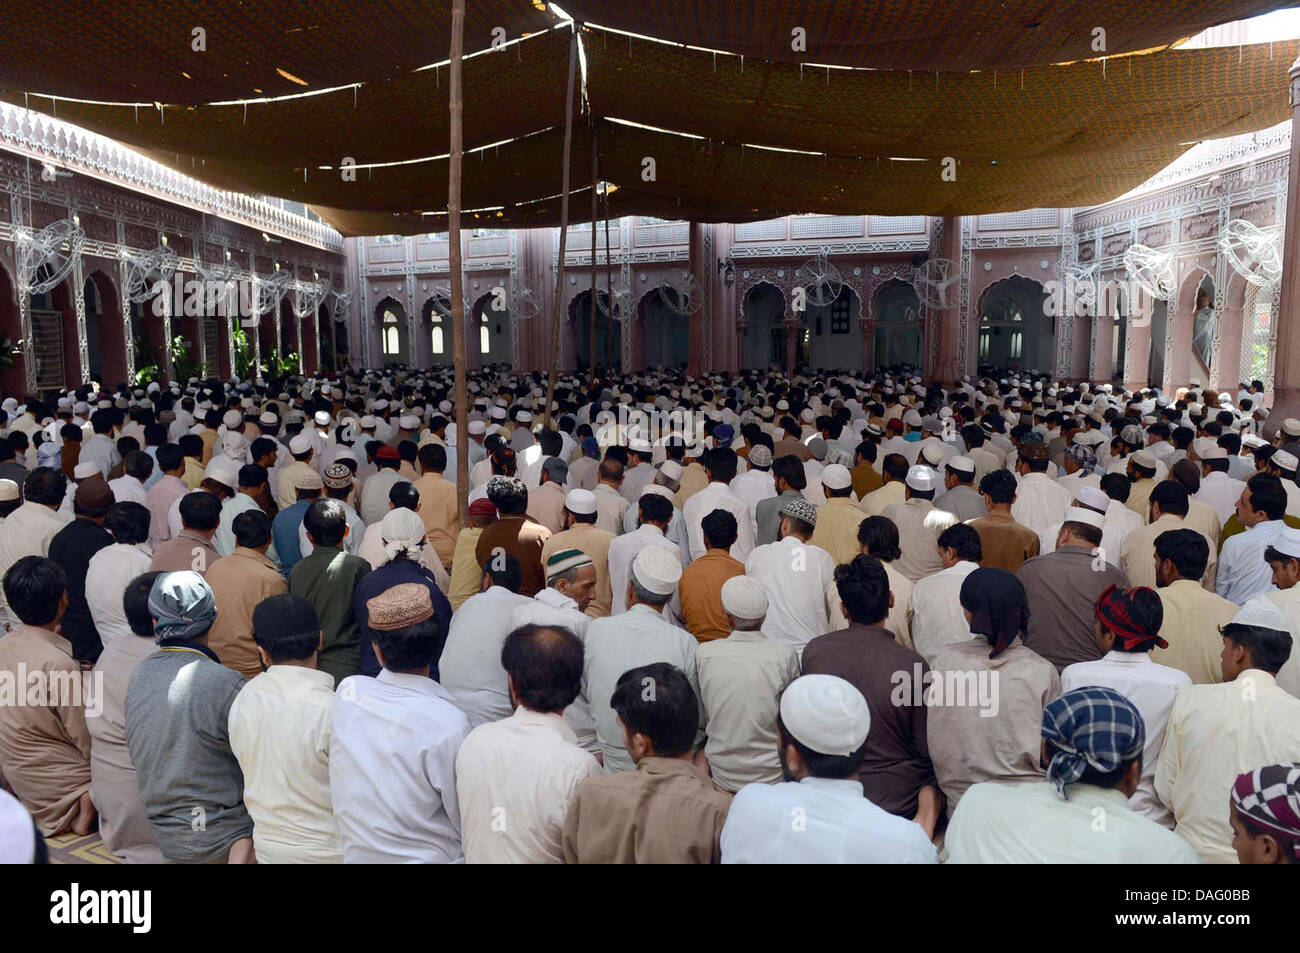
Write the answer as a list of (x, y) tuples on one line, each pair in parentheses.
[(1286, 367)]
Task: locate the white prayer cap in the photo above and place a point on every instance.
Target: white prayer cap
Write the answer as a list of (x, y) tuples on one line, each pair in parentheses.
[(744, 598), (912, 418), (961, 464), (222, 469), (654, 489), (1248, 440), (267, 419), (1079, 514), (380, 404), (933, 454), (825, 713), (921, 478), (1215, 453), (581, 502), (322, 418), (444, 407), (408, 422), (84, 470), (367, 422), (524, 417), (1260, 611), (300, 444), (657, 569), (17, 832), (1145, 459), (8, 491), (671, 469), (1287, 542), (807, 416), (232, 419), (9, 405), (1284, 460), (836, 477), (1291, 427), (1093, 497), (476, 427)]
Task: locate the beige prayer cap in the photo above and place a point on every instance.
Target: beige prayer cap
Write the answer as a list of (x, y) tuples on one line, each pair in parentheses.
[(399, 607), (825, 713), (8, 491), (657, 569), (671, 469), (83, 471), (308, 480), (744, 598)]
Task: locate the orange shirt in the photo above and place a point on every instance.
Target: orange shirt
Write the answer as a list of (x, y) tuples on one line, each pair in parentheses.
[(700, 592)]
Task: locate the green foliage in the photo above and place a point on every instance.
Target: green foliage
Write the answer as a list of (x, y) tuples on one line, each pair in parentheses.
[(281, 365), (183, 366), (145, 373), (243, 354)]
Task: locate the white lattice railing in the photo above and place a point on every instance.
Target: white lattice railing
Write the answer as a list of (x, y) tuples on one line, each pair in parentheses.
[(43, 137)]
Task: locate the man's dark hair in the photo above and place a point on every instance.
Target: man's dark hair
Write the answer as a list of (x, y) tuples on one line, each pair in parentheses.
[(655, 509), (863, 587), (1116, 486), (415, 646), (138, 464), (720, 529), (45, 485), (1269, 648), (285, 626), (200, 511), (326, 522), (1187, 549), (895, 466), (1267, 495), (261, 447), (880, 536), (33, 586), (505, 570), (135, 602), (508, 494), (251, 475), (170, 457), (191, 445), (963, 540), (1000, 486), (128, 522), (404, 496), (252, 529), (545, 663), (790, 468), (867, 451), (433, 457), (657, 701), (1171, 496), (101, 421), (721, 464)]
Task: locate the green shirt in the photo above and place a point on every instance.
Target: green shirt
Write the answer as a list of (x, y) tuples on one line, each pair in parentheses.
[(328, 579)]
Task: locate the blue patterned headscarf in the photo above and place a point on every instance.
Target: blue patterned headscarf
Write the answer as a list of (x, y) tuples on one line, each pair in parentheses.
[(182, 606), (1090, 727)]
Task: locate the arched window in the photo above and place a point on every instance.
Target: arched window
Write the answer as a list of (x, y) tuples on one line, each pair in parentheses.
[(484, 336), (435, 319), (391, 342)]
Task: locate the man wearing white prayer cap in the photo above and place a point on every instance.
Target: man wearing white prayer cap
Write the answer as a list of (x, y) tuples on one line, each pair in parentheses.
[(919, 524), (581, 533), (960, 498), (1242, 571), (1282, 465), (839, 517), (639, 636), (822, 725), (1218, 731), (1283, 558), (741, 678)]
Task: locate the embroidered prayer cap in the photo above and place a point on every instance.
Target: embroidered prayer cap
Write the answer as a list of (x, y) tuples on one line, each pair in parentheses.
[(1090, 727), (307, 480), (1033, 450), (566, 560), (387, 453), (921, 478), (801, 510), (482, 507), (337, 476), (825, 713), (1082, 454), (760, 456), (399, 607)]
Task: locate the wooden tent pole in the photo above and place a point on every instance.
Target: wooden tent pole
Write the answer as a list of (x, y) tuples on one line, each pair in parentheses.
[(453, 239), (564, 230), (591, 368)]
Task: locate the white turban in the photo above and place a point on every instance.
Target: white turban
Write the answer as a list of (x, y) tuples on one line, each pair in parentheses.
[(403, 532)]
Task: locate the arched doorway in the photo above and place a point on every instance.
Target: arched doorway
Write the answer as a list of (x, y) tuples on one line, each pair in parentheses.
[(289, 350), (1156, 348), (1015, 332), (765, 337), (667, 333), (105, 335), (13, 376), (831, 336), (325, 339), (54, 335), (1205, 323), (898, 325), (493, 331), (609, 333), (1118, 314), (394, 343), (437, 320)]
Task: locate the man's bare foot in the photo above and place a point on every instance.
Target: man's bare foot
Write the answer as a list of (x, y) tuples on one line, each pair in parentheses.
[(86, 816)]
